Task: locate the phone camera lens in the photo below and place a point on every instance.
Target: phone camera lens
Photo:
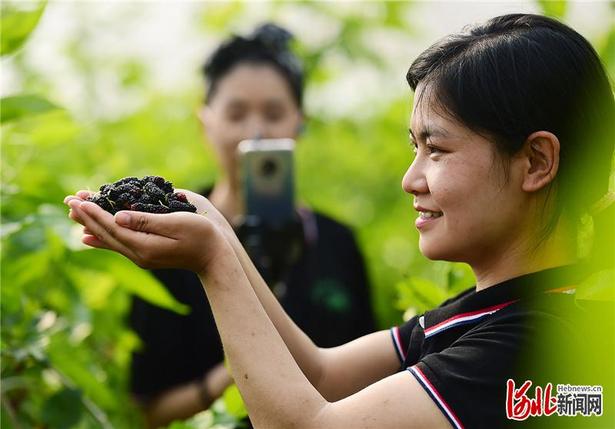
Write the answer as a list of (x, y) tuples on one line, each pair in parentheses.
[(269, 167)]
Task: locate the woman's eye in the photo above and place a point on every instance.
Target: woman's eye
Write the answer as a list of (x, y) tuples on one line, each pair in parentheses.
[(274, 116), (433, 150), (236, 117)]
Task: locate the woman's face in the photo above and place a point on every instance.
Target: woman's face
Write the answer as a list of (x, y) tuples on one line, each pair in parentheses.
[(252, 100), (470, 210)]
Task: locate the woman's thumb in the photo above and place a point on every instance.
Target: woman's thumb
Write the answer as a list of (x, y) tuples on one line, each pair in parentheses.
[(140, 221)]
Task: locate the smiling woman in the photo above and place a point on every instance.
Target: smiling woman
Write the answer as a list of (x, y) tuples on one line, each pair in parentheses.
[(501, 116)]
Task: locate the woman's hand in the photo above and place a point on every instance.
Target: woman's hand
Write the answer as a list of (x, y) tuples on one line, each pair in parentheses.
[(175, 240)]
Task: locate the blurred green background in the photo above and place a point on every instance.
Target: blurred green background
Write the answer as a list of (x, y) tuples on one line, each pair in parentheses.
[(96, 91)]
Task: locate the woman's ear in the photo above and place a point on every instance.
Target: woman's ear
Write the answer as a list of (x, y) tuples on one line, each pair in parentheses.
[(541, 153)]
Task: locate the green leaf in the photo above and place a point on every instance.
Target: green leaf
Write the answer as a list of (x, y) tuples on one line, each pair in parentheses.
[(460, 277), (599, 287), (554, 8), (128, 276), (78, 369), (63, 410), (19, 19), (234, 403), (419, 293), (218, 15), (19, 106)]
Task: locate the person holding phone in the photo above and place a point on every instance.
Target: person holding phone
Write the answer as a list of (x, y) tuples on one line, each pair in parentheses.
[(513, 132), (254, 89)]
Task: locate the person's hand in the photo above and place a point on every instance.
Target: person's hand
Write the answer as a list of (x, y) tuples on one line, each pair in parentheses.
[(174, 240), (202, 204)]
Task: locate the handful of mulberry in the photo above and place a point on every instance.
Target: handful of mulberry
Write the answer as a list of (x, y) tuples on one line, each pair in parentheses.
[(152, 194)]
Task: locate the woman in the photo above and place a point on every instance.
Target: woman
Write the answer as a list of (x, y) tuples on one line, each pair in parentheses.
[(510, 120), (254, 87)]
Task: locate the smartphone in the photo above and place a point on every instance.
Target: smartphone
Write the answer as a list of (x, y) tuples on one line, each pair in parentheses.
[(267, 177)]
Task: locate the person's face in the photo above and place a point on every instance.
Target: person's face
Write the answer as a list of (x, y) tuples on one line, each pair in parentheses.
[(469, 209), (252, 100)]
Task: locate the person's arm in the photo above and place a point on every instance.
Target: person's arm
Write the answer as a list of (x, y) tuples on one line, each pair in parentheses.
[(324, 368), (275, 390), (187, 399)]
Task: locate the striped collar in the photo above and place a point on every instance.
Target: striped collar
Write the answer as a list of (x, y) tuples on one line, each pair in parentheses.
[(472, 307)]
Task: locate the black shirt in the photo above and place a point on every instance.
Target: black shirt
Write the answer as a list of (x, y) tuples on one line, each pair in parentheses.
[(326, 294), (527, 328)]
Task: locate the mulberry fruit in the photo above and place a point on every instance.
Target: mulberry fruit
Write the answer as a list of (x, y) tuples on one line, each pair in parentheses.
[(180, 206), (152, 194)]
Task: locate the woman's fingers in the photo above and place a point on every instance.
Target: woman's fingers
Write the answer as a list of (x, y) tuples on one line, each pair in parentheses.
[(163, 225), (92, 241), (79, 195), (73, 213), (180, 239), (143, 244), (98, 227), (83, 194)]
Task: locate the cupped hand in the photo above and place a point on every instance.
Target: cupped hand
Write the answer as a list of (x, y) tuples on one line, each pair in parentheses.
[(175, 240)]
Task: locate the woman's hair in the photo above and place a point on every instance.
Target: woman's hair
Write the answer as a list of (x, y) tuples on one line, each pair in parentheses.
[(268, 45), (517, 74)]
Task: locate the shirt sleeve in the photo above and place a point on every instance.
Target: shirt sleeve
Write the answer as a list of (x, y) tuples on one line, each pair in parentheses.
[(468, 380), (400, 336), (472, 371)]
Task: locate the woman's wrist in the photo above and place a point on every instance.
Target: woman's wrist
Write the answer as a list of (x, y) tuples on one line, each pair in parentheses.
[(212, 385), (219, 258), (205, 396)]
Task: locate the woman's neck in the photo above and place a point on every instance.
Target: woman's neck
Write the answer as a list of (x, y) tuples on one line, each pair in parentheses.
[(522, 257)]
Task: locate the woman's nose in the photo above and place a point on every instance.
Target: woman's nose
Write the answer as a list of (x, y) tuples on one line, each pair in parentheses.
[(414, 181), (256, 129)]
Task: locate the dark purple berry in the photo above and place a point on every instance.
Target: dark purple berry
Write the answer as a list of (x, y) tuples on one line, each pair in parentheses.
[(180, 196), (124, 201), (156, 180), (115, 192), (179, 206), (102, 201), (138, 207), (151, 194), (149, 208), (154, 192), (146, 199), (167, 187), (129, 180)]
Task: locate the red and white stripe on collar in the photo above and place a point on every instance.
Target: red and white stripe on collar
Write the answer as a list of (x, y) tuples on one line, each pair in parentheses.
[(399, 348), (463, 318), (435, 395)]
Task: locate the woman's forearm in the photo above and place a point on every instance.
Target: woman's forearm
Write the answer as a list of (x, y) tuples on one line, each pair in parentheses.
[(307, 355), (274, 388)]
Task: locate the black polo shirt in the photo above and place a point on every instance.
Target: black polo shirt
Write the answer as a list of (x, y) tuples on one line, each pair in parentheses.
[(527, 328)]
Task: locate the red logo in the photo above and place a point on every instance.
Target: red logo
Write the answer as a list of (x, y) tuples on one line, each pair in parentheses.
[(519, 406)]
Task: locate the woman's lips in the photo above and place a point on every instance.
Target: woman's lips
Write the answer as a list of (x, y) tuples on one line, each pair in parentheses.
[(422, 222)]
